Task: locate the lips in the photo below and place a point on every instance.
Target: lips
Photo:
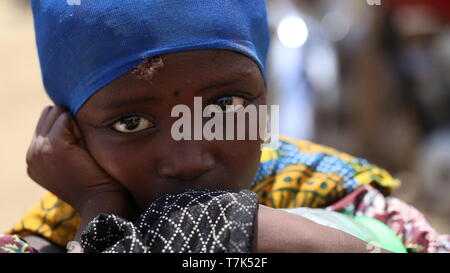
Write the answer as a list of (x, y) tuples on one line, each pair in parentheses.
[(144, 197)]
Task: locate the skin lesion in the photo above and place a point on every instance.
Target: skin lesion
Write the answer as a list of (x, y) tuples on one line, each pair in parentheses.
[(147, 69)]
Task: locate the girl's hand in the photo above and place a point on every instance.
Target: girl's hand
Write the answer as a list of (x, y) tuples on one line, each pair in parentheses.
[(57, 161)]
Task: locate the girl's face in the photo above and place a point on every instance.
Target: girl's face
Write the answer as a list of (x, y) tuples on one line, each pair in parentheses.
[(127, 125)]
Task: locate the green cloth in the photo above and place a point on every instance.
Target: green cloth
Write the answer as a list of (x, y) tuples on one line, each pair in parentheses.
[(365, 228)]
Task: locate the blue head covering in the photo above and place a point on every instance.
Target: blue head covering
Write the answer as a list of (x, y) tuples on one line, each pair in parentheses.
[(85, 44)]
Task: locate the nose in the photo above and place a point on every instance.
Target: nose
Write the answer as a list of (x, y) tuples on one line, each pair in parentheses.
[(186, 163)]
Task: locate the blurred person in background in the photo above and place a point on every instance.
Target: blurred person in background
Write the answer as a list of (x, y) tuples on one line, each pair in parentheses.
[(382, 90), (391, 94), (416, 39)]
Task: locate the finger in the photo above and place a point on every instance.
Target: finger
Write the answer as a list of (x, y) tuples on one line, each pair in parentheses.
[(77, 133), (51, 118), (42, 118), (62, 131), (30, 172), (75, 129), (38, 131)]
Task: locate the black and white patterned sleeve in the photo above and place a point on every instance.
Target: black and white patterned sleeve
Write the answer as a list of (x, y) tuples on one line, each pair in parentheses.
[(191, 221)]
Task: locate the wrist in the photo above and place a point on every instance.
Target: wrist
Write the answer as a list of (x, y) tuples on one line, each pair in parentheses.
[(114, 202)]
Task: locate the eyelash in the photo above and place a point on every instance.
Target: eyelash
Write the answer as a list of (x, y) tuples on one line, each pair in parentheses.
[(244, 95), (110, 125)]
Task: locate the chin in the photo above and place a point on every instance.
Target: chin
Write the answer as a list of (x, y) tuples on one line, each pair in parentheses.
[(144, 202)]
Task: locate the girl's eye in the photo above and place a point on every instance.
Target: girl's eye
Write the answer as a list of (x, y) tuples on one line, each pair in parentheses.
[(235, 101), (132, 124)]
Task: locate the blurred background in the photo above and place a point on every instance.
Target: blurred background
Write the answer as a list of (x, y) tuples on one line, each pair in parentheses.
[(368, 77)]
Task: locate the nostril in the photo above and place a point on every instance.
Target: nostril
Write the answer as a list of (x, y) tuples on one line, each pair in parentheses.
[(166, 170), (185, 175), (209, 163), (187, 169)]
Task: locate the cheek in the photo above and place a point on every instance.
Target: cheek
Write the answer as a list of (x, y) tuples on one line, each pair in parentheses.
[(125, 163), (241, 161)]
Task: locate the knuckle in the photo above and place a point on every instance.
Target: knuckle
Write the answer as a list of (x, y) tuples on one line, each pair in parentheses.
[(43, 147), (31, 154), (65, 117), (30, 172), (60, 124), (46, 149), (59, 109), (29, 158), (46, 109)]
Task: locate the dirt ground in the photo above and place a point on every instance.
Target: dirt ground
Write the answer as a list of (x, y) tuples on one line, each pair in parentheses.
[(22, 99)]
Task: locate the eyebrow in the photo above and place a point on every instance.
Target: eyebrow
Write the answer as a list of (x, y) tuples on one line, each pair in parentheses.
[(220, 84), (122, 103)]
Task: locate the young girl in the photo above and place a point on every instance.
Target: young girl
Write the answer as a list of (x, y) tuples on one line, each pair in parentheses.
[(115, 70)]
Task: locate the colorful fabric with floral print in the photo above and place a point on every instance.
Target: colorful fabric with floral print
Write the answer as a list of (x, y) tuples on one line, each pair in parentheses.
[(304, 174), (407, 222), (14, 244)]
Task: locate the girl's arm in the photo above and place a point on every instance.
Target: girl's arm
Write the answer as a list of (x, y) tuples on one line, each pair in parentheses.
[(270, 230), (278, 231)]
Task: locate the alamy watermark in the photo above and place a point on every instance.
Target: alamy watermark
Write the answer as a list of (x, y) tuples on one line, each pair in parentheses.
[(233, 123), (374, 2)]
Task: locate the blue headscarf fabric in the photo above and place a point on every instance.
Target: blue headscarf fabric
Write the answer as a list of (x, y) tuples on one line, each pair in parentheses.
[(85, 44)]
